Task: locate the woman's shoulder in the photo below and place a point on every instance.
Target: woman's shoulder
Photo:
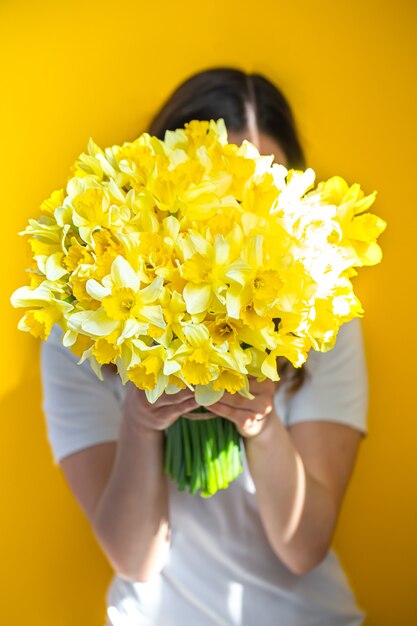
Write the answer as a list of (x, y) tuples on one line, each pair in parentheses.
[(336, 383), (56, 356), (79, 408), (348, 347)]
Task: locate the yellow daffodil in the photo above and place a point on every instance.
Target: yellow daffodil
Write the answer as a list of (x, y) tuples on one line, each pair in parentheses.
[(105, 349), (253, 283), (124, 304), (81, 343), (55, 200), (228, 380), (49, 310), (193, 261), (39, 322), (77, 255)]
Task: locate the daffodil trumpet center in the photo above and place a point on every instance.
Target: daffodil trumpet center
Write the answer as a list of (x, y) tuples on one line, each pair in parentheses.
[(121, 304)]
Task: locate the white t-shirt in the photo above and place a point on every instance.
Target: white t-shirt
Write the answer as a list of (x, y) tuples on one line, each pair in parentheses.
[(221, 569)]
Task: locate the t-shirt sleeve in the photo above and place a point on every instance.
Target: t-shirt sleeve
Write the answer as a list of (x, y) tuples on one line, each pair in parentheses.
[(336, 386), (80, 409)]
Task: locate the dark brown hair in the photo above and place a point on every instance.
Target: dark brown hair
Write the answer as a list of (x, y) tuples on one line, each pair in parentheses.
[(225, 92)]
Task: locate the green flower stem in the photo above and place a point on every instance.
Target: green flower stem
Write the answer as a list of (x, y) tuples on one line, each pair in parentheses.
[(169, 450), (195, 482), (178, 450), (204, 469), (182, 478), (212, 429), (187, 446), (222, 453), (230, 446), (202, 455), (212, 481)]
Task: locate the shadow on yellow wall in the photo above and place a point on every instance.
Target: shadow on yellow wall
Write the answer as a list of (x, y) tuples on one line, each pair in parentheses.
[(78, 69)]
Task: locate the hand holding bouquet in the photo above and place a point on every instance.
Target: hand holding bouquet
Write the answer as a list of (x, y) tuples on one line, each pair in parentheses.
[(195, 263)]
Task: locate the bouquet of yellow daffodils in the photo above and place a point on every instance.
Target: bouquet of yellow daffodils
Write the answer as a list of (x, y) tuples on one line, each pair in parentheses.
[(192, 262)]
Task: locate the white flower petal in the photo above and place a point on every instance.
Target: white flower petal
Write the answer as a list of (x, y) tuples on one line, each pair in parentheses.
[(54, 268), (206, 395), (151, 292), (96, 367), (154, 315), (123, 274), (26, 296), (170, 367), (197, 334), (96, 290), (97, 323), (197, 297), (69, 338), (131, 328)]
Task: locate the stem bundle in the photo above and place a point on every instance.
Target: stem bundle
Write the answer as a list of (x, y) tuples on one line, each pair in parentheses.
[(203, 455)]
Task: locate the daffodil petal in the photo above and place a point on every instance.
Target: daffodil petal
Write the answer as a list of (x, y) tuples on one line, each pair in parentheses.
[(269, 367), (221, 250), (233, 302), (196, 297), (97, 323), (152, 395), (69, 338), (206, 395), (154, 315), (197, 334), (170, 367), (96, 367), (123, 274), (25, 296), (96, 290), (131, 328), (53, 267), (151, 292)]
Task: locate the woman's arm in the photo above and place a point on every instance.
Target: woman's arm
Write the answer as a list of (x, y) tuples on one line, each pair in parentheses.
[(300, 475), (130, 519), (122, 488)]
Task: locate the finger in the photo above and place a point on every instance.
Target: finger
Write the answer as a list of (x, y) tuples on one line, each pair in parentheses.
[(169, 414), (237, 416), (259, 404), (238, 401), (203, 415), (161, 420), (267, 387), (234, 399), (177, 398)]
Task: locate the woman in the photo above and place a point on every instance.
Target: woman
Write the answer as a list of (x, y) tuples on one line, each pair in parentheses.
[(258, 553)]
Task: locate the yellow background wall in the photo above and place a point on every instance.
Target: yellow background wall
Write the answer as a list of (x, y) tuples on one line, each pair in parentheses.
[(75, 69)]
